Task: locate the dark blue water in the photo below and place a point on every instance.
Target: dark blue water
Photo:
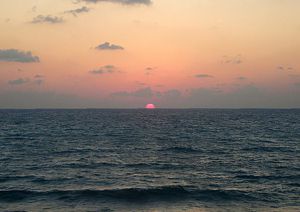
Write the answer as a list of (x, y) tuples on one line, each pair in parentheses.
[(149, 160)]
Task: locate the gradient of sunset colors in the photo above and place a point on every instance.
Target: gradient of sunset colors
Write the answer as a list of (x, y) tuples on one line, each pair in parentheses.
[(127, 53)]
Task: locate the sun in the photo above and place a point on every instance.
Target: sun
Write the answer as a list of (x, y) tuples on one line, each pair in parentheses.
[(150, 106)]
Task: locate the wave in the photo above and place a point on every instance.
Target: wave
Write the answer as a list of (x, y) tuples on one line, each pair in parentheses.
[(182, 150), (161, 166), (268, 177), (31, 178), (165, 193), (4, 179), (268, 149)]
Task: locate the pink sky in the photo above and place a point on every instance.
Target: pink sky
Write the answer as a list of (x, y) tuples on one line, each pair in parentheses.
[(196, 53)]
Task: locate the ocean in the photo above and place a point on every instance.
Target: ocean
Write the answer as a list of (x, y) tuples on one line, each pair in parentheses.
[(150, 160)]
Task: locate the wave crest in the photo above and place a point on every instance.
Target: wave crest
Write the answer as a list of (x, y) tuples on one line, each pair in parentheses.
[(164, 193)]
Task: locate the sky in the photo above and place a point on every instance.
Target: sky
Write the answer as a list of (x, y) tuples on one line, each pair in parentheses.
[(128, 53)]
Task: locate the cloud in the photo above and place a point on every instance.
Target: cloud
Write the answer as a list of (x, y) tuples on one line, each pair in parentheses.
[(124, 2), (38, 76), (75, 12), (284, 68), (248, 96), (19, 81), (203, 76), (294, 75), (140, 93), (38, 81), (150, 70), (280, 68), (147, 92), (32, 99), (138, 83), (108, 69), (171, 98), (241, 78), (108, 46), (143, 93), (47, 19), (33, 9), (297, 84), (174, 93), (236, 60), (15, 55)]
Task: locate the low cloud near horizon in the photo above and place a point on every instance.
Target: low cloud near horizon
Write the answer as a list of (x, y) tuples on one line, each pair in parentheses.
[(247, 96), (19, 81)]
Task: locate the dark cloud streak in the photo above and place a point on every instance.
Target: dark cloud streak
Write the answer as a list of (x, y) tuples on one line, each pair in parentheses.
[(75, 12), (109, 46), (40, 19), (19, 81), (203, 76), (108, 69), (15, 55)]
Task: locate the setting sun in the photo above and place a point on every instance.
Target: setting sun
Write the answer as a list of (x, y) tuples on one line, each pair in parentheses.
[(150, 106)]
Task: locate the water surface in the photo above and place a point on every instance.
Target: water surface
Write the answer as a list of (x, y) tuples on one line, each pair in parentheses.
[(144, 160)]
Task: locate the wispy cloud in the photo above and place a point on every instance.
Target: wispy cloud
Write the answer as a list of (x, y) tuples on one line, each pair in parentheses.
[(125, 2), (109, 46), (203, 76), (15, 55), (236, 60), (108, 69), (40, 19), (19, 81), (141, 84), (77, 11), (38, 76), (39, 79), (150, 70), (241, 78), (284, 68), (33, 9)]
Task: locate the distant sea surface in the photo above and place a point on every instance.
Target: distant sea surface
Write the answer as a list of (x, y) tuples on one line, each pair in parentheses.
[(150, 160)]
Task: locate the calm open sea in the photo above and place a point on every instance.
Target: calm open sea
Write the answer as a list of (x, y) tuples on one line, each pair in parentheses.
[(150, 160)]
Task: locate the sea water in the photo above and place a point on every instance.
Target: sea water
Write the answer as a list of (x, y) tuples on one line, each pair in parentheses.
[(150, 160)]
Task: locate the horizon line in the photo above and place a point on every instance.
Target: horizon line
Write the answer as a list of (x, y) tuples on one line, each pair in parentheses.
[(162, 108)]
